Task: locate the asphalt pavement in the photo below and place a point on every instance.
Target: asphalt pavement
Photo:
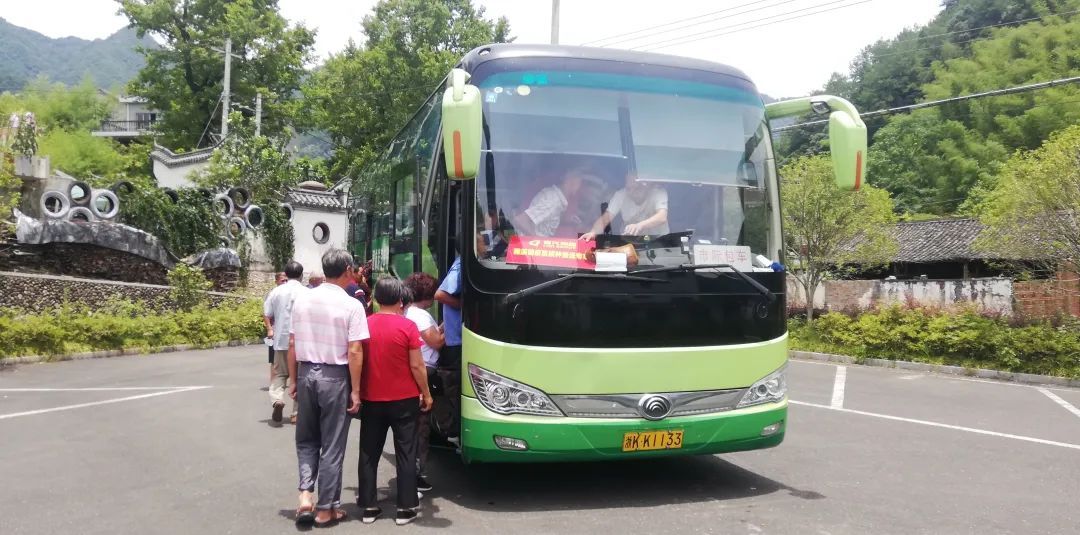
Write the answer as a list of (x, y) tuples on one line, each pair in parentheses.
[(182, 443)]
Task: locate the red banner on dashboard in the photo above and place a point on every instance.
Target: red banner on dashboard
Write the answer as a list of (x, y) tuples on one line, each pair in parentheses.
[(557, 252)]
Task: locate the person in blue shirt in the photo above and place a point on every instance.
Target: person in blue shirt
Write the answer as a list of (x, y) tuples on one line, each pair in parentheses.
[(448, 409)]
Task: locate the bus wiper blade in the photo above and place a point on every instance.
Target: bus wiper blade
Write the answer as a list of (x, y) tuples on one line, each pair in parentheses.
[(694, 267), (518, 295)]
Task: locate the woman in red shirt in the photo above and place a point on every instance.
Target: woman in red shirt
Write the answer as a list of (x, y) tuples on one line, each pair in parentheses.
[(393, 392)]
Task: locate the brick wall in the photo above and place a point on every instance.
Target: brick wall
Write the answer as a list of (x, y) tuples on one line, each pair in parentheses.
[(1048, 298), (38, 293)]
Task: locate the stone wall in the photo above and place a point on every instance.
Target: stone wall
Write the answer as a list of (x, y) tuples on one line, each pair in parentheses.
[(81, 260), (38, 293)]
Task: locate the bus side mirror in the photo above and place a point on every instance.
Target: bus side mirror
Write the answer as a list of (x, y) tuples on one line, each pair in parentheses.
[(847, 134), (462, 126), (847, 142)]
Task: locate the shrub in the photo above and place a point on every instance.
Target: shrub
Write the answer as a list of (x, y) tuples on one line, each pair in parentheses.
[(189, 287), (964, 338), (123, 324)]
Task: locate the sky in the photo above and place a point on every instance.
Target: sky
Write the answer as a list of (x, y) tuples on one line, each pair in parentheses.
[(785, 58)]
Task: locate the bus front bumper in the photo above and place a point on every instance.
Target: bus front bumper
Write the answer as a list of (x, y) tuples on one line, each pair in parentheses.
[(596, 439)]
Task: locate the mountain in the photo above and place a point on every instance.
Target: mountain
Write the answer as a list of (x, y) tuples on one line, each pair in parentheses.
[(26, 54)]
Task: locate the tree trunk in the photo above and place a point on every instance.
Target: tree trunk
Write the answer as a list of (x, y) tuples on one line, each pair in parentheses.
[(811, 289)]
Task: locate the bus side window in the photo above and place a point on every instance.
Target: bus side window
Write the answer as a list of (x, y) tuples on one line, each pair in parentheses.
[(436, 217)]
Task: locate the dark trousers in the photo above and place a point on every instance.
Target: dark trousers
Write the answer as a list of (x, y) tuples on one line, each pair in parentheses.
[(322, 428), (447, 409), (423, 433), (376, 418)]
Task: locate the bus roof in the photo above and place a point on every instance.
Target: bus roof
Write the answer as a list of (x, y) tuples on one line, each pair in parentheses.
[(483, 54)]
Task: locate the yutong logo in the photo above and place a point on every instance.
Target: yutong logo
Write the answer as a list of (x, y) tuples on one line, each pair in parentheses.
[(654, 407)]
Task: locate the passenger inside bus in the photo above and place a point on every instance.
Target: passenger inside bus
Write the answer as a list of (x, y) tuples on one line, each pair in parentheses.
[(547, 209), (643, 208)]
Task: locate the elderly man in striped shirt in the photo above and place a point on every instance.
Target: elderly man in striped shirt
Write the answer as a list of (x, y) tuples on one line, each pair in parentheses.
[(325, 361)]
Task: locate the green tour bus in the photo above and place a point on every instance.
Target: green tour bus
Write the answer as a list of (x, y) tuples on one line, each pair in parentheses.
[(588, 338)]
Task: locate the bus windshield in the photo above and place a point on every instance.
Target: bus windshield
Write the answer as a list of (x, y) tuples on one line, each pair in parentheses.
[(666, 171)]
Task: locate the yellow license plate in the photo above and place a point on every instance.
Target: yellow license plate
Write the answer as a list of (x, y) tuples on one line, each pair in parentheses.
[(652, 440)]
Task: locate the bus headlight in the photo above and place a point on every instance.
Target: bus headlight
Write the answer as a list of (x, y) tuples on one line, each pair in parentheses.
[(770, 389), (501, 395)]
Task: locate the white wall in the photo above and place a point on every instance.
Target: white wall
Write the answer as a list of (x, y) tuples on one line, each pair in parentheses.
[(176, 177), (309, 253), (796, 294), (992, 294)]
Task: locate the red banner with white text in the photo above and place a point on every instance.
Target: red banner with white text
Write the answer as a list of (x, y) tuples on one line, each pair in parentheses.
[(556, 252)]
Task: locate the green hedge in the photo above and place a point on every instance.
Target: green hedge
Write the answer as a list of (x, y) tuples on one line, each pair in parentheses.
[(122, 325), (959, 338)]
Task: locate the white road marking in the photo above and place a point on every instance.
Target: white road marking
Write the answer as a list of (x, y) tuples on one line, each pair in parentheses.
[(946, 376), (103, 402), (1064, 404), (838, 388), (944, 426), (98, 389)]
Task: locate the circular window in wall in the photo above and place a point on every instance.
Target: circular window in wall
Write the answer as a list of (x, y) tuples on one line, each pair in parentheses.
[(321, 233)]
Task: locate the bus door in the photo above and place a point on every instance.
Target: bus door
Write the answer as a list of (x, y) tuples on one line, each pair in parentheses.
[(405, 220)]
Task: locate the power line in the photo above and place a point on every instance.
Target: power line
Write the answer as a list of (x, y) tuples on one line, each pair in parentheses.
[(875, 56), (698, 21), (706, 34), (990, 26), (992, 93), (211, 119)]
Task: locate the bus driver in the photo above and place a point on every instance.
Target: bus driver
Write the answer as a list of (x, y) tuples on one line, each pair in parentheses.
[(643, 207)]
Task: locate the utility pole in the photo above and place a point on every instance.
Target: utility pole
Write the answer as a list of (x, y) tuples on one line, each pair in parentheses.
[(554, 22), (258, 114), (225, 94)]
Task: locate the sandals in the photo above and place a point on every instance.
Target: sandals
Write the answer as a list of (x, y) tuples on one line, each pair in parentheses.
[(305, 515), (338, 516)]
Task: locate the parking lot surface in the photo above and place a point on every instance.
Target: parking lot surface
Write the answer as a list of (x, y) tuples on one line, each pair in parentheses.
[(181, 443)]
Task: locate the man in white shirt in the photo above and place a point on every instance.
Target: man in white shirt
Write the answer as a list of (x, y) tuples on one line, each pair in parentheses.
[(546, 209), (277, 314), (643, 207), (326, 357)]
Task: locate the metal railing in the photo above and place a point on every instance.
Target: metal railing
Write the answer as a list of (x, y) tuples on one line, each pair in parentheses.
[(141, 127)]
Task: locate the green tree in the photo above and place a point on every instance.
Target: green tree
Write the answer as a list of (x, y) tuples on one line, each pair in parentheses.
[(184, 77), (187, 226), (929, 164), (895, 72), (1035, 52), (363, 95), (57, 106), (261, 165), (9, 191), (825, 227), (80, 154), (1034, 210)]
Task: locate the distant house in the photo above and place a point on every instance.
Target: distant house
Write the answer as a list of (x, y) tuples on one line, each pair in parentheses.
[(942, 249), (131, 118)]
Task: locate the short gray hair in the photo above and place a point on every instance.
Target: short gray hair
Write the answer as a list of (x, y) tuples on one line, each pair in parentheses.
[(391, 291), (335, 262)]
